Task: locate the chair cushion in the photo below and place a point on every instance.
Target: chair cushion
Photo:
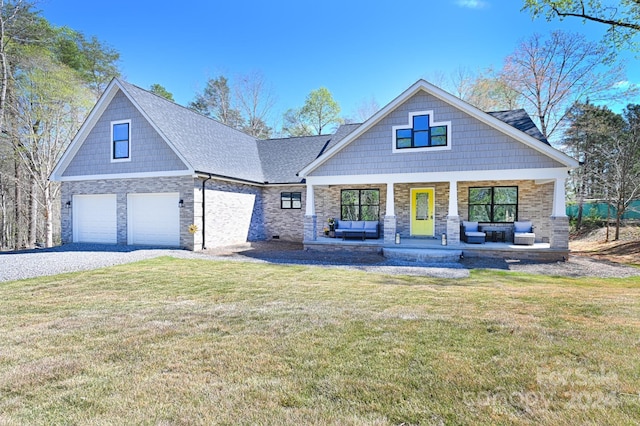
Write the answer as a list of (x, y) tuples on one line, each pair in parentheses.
[(370, 224), (522, 226), (475, 234), (524, 234), (470, 226)]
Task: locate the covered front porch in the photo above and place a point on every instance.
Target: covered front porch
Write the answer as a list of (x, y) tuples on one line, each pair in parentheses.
[(541, 199)]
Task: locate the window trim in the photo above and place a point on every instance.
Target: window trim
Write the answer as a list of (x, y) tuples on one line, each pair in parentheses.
[(493, 204), (113, 142), (409, 126), (290, 198), (359, 201)]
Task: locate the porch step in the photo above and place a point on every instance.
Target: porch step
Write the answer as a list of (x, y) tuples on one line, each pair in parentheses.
[(422, 255)]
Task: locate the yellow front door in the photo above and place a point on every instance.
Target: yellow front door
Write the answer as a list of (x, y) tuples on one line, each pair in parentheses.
[(422, 212)]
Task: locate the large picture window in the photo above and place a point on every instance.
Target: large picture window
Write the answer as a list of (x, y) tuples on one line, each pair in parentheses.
[(360, 204), (493, 204), (290, 200)]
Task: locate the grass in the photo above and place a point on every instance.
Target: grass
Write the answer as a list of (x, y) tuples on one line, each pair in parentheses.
[(170, 341)]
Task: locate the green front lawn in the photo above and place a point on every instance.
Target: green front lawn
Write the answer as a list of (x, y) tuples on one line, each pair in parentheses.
[(170, 341)]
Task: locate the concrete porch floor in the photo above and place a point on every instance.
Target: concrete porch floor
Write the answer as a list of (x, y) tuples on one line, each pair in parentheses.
[(431, 249)]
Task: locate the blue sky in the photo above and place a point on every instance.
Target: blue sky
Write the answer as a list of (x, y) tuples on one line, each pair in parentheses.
[(357, 49)]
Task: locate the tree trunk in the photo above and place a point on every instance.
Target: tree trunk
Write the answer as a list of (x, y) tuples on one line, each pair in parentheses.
[(33, 214), (608, 219), (48, 212), (18, 230)]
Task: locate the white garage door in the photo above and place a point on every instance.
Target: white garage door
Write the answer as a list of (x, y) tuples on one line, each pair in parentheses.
[(153, 219), (95, 219)]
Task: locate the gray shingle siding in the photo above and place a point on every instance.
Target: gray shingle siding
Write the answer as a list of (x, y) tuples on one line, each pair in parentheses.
[(474, 146), (149, 153)]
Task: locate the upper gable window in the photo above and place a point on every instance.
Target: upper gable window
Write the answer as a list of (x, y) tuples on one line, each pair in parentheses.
[(121, 140), (422, 134)]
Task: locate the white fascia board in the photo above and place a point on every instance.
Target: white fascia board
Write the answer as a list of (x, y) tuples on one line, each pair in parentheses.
[(543, 175), (115, 176), (372, 121), (456, 102), (503, 127), (85, 129), (90, 122)]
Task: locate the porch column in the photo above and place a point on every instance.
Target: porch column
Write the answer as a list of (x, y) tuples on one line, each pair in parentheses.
[(389, 232), (559, 198), (453, 219), (310, 218), (559, 235)]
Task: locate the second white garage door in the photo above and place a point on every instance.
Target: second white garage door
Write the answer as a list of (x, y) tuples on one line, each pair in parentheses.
[(153, 219)]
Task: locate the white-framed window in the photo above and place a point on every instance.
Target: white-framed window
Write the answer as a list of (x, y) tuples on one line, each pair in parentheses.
[(422, 133), (121, 140)]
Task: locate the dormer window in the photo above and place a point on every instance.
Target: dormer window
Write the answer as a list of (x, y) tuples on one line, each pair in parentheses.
[(121, 140), (421, 134)]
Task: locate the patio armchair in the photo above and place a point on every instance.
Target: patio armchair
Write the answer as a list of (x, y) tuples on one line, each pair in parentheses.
[(523, 233), (470, 233)]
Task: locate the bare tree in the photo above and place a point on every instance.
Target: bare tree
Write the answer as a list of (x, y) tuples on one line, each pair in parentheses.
[(364, 110), (621, 17), (550, 74), (51, 103), (255, 100)]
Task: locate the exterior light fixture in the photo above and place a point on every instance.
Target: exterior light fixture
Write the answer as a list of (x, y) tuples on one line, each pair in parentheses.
[(181, 203), (68, 204)]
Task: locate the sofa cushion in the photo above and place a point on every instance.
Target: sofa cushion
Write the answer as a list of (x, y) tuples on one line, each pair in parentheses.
[(344, 224), (370, 225), (470, 226), (357, 224)]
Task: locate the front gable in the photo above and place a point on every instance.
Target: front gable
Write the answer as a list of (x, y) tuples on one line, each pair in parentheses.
[(91, 154), (472, 141)]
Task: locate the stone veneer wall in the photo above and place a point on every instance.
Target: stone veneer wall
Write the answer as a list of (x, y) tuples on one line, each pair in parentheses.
[(286, 224), (234, 213), (403, 207), (328, 203), (122, 187), (534, 203)]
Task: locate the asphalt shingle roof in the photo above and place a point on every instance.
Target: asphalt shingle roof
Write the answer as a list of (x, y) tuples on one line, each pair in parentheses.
[(519, 119), (212, 147), (208, 145), (283, 158)]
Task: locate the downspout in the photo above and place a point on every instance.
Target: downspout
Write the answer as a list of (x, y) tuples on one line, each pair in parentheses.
[(204, 209)]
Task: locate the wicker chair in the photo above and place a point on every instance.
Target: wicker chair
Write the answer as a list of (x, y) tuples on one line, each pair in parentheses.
[(523, 233), (470, 234)]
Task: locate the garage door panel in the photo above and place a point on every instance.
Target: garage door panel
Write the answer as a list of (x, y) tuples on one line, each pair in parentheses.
[(153, 219), (95, 218)]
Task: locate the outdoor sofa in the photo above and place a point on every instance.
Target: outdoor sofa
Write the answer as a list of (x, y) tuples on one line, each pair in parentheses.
[(371, 228)]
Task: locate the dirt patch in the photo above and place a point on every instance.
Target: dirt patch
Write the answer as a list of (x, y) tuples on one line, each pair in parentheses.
[(283, 251), (595, 245)]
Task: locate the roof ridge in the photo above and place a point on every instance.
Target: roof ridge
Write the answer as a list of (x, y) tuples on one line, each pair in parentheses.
[(192, 111)]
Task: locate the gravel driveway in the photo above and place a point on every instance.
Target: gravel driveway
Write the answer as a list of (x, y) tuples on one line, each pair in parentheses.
[(81, 257)]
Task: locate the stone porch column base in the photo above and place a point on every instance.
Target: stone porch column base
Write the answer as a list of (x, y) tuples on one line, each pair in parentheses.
[(559, 236), (390, 229), (453, 230), (311, 228)]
